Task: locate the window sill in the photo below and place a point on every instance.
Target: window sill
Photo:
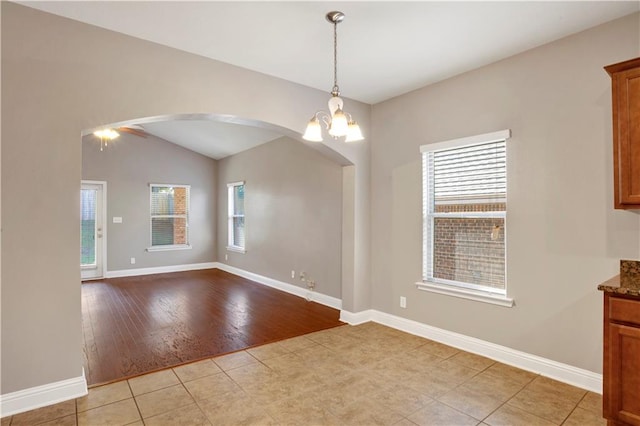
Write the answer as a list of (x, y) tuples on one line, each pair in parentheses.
[(479, 296), (236, 249), (169, 248)]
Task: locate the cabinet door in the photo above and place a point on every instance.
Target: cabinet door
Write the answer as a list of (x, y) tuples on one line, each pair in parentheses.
[(622, 374), (627, 144)]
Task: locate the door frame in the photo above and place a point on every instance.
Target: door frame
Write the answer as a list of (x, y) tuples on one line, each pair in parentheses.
[(103, 213)]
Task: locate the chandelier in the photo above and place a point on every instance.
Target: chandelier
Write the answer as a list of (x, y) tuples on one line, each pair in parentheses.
[(337, 122)]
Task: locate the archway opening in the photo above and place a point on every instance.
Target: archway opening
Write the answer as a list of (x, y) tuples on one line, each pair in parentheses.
[(295, 212)]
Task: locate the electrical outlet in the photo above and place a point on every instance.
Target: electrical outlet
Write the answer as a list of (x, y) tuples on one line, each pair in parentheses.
[(293, 273), (303, 276), (403, 302), (133, 260), (226, 256)]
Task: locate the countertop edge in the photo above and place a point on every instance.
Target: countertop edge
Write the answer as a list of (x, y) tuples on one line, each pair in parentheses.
[(612, 286)]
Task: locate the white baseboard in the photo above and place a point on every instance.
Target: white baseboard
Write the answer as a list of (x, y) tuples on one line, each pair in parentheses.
[(323, 299), (41, 396), (575, 376), (358, 317), (159, 270)]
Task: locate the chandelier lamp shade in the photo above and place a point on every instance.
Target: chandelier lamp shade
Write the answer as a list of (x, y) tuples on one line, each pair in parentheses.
[(337, 122)]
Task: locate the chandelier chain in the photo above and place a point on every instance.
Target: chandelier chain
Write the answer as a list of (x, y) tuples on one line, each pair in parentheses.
[(335, 56)]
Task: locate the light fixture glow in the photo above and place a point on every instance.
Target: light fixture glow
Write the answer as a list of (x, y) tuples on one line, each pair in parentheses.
[(105, 135), (336, 121), (314, 130), (108, 134), (353, 132), (338, 126)]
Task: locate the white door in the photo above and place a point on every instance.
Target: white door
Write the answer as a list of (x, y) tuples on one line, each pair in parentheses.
[(92, 231)]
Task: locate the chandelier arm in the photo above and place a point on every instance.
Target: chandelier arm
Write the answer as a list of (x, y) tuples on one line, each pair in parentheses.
[(324, 117)]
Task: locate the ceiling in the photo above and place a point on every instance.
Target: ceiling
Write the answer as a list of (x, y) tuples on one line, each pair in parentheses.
[(214, 139), (385, 49)]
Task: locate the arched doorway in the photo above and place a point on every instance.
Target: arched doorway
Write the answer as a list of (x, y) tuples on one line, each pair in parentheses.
[(294, 209)]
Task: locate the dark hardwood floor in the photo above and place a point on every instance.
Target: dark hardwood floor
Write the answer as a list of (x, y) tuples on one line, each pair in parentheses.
[(136, 325)]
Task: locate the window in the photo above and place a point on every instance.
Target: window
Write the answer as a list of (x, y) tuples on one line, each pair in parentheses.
[(236, 233), (464, 212), (169, 217)]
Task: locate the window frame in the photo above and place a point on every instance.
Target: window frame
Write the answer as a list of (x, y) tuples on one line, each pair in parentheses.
[(449, 287), (231, 244), (168, 247)]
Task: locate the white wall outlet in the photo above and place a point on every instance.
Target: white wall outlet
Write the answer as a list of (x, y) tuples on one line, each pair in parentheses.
[(133, 260), (226, 256), (117, 219), (303, 276), (403, 302), (293, 273)]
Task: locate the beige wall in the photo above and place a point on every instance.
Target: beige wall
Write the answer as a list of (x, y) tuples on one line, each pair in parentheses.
[(564, 237), (60, 77), (293, 213), (129, 165)]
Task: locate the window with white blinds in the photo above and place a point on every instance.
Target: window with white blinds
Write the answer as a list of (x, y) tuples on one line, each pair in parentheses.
[(464, 213), (235, 205), (169, 216)]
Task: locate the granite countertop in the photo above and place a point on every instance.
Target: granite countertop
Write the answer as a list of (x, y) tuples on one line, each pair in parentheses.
[(614, 286)]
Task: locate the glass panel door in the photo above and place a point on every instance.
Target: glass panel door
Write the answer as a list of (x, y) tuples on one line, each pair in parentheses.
[(91, 230), (88, 227)]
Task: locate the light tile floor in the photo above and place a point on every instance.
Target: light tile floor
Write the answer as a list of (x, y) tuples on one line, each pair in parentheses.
[(363, 375)]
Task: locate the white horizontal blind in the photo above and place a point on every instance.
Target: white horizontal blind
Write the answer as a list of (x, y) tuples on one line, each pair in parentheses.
[(470, 171)]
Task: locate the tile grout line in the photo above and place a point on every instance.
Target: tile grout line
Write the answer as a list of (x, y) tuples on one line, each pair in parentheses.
[(509, 399), (574, 409), (135, 401), (195, 401)]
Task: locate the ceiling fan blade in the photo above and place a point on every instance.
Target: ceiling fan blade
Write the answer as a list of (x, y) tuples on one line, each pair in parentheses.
[(133, 131)]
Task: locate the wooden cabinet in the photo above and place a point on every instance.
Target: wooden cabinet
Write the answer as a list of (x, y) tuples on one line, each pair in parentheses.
[(625, 85), (621, 387)]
